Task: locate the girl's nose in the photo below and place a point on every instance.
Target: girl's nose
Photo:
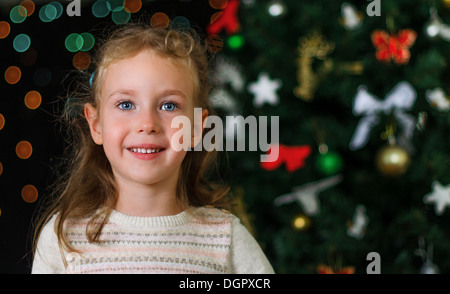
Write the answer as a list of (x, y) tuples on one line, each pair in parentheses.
[(148, 123)]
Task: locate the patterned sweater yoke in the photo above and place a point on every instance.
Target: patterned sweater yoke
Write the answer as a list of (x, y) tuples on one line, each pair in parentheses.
[(195, 241)]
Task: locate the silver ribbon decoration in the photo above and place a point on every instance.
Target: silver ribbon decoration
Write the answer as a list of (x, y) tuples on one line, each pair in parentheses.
[(400, 99), (307, 194)]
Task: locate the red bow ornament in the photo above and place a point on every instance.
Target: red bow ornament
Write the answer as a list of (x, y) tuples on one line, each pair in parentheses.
[(227, 20), (395, 47), (292, 156)]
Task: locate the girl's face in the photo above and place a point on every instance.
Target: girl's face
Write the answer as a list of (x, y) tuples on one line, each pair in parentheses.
[(140, 96)]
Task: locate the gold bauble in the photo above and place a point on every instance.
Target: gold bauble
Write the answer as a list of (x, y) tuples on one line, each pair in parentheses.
[(392, 160)]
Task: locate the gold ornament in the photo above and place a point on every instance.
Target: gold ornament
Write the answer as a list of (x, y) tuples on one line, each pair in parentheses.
[(392, 160), (317, 47), (309, 48)]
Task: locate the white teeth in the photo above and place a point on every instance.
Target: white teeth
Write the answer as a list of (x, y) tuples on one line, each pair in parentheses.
[(143, 150)]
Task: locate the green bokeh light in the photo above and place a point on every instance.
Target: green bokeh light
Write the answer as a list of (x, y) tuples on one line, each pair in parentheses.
[(116, 5), (74, 42), (18, 14), (50, 12), (121, 17), (59, 8), (235, 42), (88, 41), (21, 43), (101, 8), (181, 23)]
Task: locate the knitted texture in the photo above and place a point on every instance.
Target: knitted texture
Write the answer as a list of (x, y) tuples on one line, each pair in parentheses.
[(195, 241)]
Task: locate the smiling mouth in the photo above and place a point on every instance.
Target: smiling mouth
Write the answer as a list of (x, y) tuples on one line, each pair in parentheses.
[(145, 150)]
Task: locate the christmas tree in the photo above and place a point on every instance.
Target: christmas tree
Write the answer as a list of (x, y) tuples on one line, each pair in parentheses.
[(361, 92)]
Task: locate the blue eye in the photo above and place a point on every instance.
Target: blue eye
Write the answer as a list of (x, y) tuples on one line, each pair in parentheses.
[(169, 106), (126, 105)]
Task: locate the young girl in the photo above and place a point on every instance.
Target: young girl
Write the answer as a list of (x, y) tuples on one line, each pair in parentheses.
[(130, 203)]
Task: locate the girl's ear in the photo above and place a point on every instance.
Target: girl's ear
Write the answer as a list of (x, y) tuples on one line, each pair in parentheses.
[(197, 133), (91, 114)]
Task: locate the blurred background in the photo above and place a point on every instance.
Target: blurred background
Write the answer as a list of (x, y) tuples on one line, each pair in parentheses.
[(360, 88)]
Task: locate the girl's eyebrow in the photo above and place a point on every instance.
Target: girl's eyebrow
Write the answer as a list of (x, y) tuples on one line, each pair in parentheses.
[(173, 92), (121, 91), (165, 93)]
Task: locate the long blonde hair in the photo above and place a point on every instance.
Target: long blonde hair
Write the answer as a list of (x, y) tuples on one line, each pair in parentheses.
[(87, 186)]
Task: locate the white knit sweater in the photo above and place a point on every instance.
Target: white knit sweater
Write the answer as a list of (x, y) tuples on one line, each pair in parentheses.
[(199, 240)]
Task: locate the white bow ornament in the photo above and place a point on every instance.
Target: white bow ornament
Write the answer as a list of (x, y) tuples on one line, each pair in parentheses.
[(401, 98)]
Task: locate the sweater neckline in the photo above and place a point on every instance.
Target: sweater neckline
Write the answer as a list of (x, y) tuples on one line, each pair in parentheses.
[(150, 221)]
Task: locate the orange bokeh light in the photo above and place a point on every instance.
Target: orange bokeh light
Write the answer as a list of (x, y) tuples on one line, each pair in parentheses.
[(2, 121), (81, 60), (218, 4), (1, 168), (133, 6), (24, 149), (29, 193), (13, 75), (159, 20), (29, 5), (33, 99), (5, 29)]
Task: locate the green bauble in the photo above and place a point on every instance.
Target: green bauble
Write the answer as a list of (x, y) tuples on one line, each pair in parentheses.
[(329, 163)]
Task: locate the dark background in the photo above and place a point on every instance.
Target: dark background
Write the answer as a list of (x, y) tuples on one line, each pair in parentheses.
[(39, 126)]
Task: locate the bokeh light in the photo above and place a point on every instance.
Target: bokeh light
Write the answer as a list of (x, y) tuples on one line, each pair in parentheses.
[(101, 8), (24, 149), (5, 29), (181, 23), (33, 99), (18, 14), (115, 5), (121, 16), (42, 77), (215, 16), (45, 12), (50, 11), (218, 4), (13, 75), (59, 8), (29, 57), (1, 168), (2, 121), (29, 193), (29, 5), (74, 42), (133, 6), (236, 42), (301, 222), (21, 43), (81, 60), (159, 20), (88, 41)]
